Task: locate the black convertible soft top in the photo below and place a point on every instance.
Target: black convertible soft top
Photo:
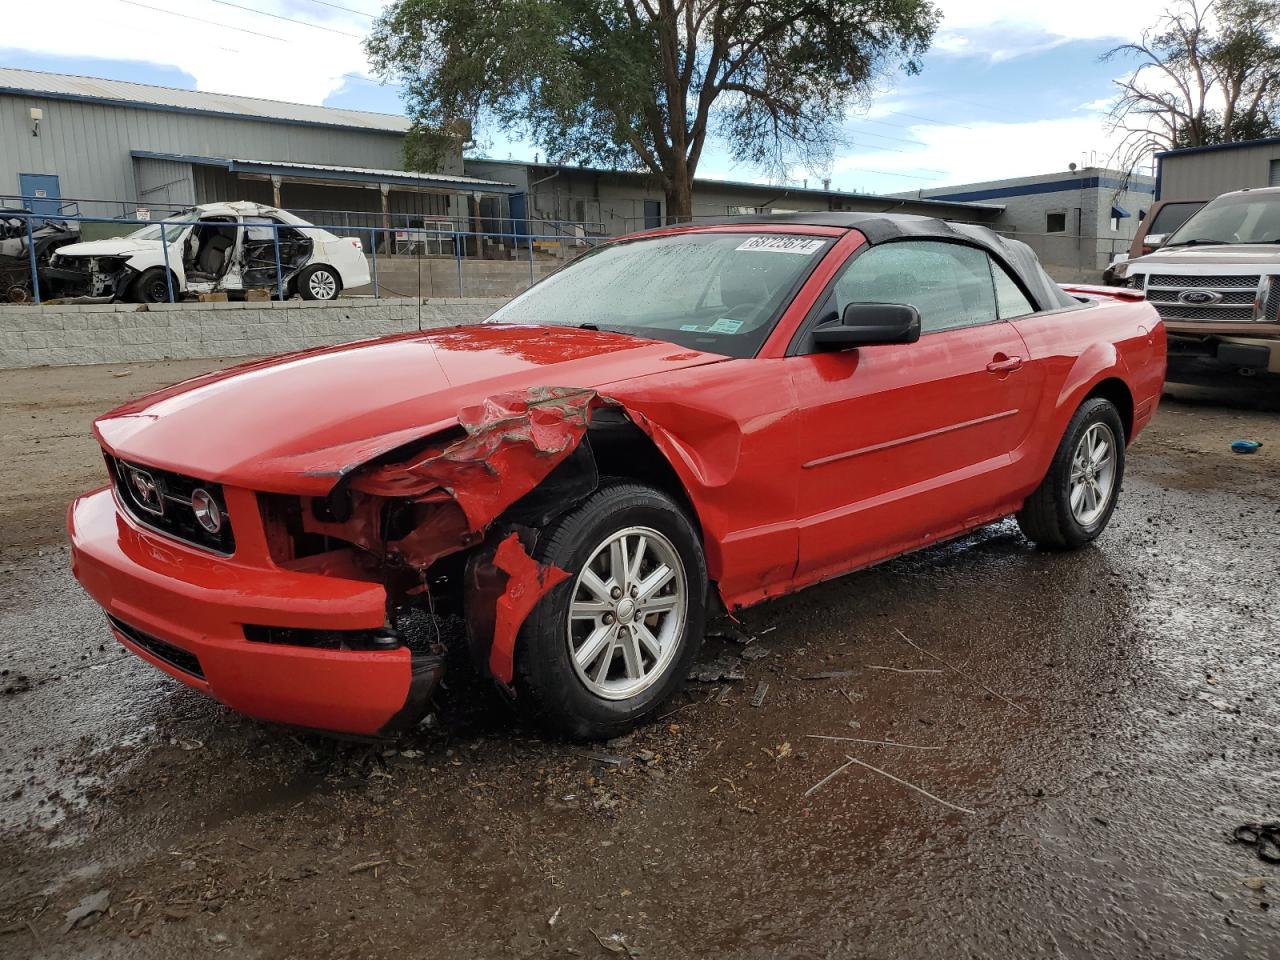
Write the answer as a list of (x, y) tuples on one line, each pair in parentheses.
[(887, 227)]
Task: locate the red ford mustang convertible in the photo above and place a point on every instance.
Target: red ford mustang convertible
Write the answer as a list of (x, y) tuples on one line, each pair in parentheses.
[(689, 418)]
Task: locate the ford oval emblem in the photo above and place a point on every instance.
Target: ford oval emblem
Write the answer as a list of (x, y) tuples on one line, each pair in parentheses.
[(1199, 298)]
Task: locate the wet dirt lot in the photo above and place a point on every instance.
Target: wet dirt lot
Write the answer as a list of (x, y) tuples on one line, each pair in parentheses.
[(1140, 728)]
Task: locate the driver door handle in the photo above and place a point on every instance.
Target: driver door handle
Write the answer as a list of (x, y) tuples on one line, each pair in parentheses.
[(1002, 364)]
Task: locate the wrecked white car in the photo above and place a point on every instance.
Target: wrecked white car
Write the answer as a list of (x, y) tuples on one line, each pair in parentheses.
[(215, 247)]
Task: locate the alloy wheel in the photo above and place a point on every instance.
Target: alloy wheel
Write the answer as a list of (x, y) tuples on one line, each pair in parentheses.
[(1093, 474), (323, 285), (627, 613)]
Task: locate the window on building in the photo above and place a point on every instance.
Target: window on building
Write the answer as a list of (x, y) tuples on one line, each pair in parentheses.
[(1056, 223)]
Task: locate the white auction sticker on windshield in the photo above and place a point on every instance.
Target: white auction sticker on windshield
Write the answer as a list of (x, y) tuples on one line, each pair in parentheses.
[(807, 246)]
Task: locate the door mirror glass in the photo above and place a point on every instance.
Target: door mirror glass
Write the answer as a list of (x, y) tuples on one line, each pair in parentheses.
[(865, 324)]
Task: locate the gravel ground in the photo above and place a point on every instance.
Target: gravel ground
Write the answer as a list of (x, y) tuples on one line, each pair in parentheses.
[(1115, 720)]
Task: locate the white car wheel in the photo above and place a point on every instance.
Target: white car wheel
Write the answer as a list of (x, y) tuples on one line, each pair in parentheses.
[(319, 283)]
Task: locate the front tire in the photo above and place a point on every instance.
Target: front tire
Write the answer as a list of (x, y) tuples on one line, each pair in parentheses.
[(609, 645), (1074, 502), (319, 282), (152, 286)]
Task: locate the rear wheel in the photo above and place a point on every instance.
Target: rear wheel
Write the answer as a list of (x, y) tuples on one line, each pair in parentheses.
[(319, 282), (606, 647), (1074, 502)]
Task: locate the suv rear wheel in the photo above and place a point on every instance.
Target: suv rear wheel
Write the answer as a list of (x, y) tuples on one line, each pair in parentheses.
[(606, 647), (1075, 500)]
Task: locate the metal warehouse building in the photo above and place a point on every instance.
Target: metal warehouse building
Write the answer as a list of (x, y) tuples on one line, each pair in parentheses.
[(611, 202), (1202, 173), (1076, 221), (138, 146)]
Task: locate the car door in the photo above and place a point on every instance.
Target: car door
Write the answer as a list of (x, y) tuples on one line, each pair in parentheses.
[(232, 276), (904, 443)]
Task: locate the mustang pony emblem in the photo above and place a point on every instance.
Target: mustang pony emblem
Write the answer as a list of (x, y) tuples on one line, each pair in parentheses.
[(146, 491)]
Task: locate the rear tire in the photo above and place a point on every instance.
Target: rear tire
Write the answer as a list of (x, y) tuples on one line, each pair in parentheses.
[(319, 282), (605, 648), (1074, 502)]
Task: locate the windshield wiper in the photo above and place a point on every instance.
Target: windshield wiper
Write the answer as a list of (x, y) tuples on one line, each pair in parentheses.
[(1198, 242)]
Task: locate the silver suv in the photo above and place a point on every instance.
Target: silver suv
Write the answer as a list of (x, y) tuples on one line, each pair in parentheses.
[(1215, 281)]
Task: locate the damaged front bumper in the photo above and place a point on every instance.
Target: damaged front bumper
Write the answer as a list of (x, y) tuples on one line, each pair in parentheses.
[(191, 614), (87, 277)]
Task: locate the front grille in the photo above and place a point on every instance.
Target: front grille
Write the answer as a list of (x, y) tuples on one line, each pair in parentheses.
[(323, 639), (1225, 314), (1213, 283), (1244, 297), (1136, 281), (1271, 312), (167, 508), (1236, 297), (175, 657)]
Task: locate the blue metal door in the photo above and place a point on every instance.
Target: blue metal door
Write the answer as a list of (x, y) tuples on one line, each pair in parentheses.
[(40, 193), (519, 226)]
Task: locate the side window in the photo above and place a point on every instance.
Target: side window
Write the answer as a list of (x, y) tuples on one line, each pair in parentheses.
[(259, 229), (1011, 302), (949, 283)]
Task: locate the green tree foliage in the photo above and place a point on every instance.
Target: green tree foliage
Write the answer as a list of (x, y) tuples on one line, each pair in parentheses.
[(644, 83), (1208, 72)]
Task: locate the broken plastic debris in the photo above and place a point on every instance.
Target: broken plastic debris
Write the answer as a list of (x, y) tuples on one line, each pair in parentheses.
[(721, 668), (88, 911), (757, 698)]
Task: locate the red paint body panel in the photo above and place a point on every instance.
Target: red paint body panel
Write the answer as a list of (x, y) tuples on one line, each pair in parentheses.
[(199, 603), (799, 468), (295, 424), (527, 583)]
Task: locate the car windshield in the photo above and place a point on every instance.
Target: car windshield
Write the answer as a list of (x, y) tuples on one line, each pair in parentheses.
[(1235, 218), (720, 292), (172, 229)]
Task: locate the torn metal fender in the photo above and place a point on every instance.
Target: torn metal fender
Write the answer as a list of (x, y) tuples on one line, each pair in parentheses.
[(528, 581), (512, 442)]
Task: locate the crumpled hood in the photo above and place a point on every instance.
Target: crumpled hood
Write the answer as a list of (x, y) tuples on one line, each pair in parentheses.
[(117, 247), (1262, 257), (295, 424)]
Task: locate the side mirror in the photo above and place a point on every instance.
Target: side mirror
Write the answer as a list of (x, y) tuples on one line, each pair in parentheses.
[(1154, 241), (864, 324)]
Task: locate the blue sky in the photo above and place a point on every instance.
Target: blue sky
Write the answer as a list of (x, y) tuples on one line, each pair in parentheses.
[(1006, 91)]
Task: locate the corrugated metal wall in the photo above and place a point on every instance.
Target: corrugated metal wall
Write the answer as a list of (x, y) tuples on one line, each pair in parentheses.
[(164, 183), (88, 145), (214, 184), (1203, 176)]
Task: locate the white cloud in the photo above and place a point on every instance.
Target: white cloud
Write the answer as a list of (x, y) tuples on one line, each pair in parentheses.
[(979, 151), (1001, 29), (224, 49)]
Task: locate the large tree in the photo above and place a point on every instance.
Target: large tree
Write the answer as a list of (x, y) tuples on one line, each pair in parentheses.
[(1207, 72), (644, 83)]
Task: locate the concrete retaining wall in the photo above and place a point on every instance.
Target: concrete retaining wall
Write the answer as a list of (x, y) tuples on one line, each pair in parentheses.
[(32, 336), (435, 277)]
